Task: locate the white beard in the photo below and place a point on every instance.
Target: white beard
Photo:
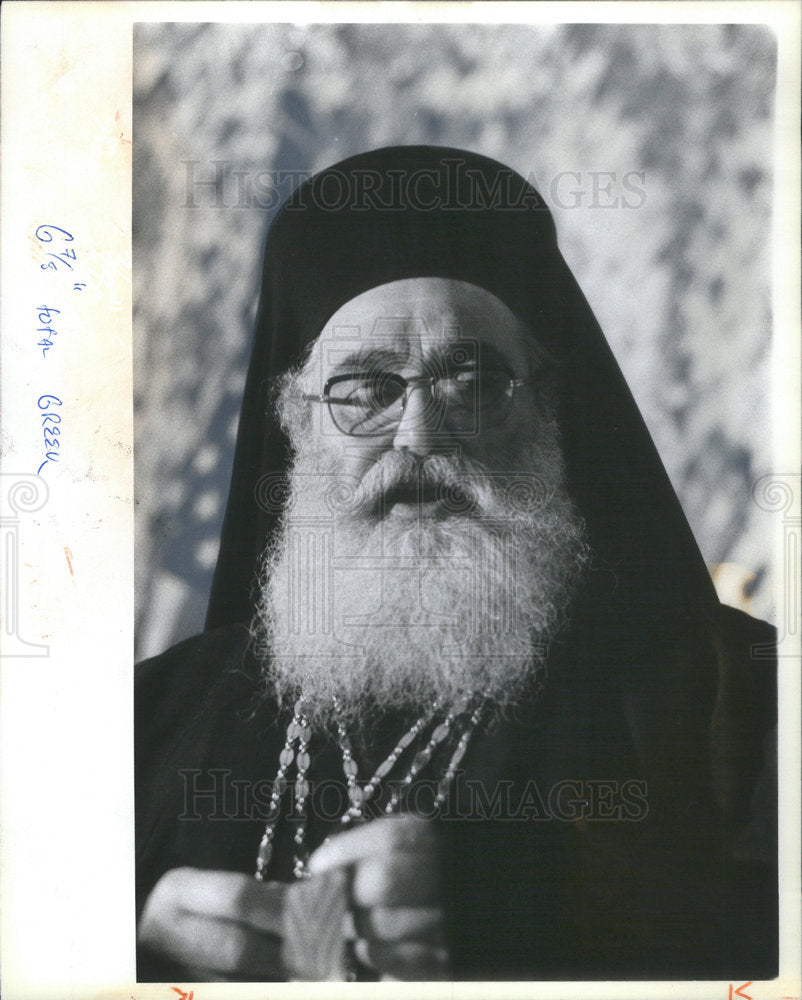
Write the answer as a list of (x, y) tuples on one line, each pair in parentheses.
[(385, 613)]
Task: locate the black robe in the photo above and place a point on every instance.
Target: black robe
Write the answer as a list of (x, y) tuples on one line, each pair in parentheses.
[(573, 850)]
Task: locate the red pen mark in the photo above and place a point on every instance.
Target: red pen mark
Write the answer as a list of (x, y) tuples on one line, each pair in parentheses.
[(738, 993), (183, 994), (68, 554)]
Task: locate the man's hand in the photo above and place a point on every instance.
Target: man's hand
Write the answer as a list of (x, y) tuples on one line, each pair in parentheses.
[(395, 895), (220, 925)]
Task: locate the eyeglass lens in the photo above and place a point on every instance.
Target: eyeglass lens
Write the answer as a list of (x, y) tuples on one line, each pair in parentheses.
[(462, 401)]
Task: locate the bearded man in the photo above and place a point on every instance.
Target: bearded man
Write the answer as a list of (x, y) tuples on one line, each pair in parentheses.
[(467, 705)]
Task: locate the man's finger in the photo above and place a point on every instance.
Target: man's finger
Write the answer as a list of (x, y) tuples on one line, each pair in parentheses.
[(314, 919), (403, 880), (222, 894), (381, 837), (222, 946), (411, 961), (384, 923)]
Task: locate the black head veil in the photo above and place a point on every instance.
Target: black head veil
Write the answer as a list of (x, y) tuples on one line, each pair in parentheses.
[(418, 211)]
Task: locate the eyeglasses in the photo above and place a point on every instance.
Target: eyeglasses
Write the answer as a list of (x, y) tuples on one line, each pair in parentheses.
[(464, 401)]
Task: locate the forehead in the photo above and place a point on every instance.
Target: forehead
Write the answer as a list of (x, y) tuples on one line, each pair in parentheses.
[(416, 317)]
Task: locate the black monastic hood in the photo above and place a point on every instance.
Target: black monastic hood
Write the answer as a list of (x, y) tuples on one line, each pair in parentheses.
[(417, 211)]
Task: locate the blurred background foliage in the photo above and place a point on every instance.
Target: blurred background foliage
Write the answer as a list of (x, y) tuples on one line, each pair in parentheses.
[(652, 144)]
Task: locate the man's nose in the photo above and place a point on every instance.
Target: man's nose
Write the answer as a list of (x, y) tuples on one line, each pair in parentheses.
[(417, 430)]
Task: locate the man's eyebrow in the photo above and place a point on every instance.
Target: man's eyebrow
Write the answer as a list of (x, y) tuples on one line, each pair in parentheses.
[(469, 352), (367, 358)]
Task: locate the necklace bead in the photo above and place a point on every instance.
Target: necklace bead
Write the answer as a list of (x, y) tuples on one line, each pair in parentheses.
[(299, 732)]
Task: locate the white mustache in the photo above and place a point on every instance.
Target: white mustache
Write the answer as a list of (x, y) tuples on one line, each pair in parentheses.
[(459, 485)]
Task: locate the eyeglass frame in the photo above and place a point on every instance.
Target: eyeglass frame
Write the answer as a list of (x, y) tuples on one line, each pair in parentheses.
[(432, 380)]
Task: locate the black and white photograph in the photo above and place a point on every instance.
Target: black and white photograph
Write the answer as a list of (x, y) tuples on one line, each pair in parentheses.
[(451, 365), (399, 500)]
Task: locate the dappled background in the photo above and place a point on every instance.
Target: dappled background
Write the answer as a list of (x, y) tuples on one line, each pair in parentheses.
[(651, 143)]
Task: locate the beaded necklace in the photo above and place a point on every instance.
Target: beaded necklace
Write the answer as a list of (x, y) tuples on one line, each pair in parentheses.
[(296, 750)]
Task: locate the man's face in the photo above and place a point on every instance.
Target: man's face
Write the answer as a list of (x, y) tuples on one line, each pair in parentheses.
[(434, 549), (426, 328)]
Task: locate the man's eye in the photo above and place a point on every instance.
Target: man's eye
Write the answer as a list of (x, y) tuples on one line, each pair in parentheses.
[(483, 381), (463, 383), (377, 393)]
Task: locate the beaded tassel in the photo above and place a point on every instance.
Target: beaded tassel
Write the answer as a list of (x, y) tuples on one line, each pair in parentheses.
[(459, 752), (302, 761), (298, 730), (422, 758), (419, 761), (351, 772)]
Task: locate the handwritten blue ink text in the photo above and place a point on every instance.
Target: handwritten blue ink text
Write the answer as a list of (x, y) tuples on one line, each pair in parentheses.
[(51, 432), (44, 234), (45, 316)]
